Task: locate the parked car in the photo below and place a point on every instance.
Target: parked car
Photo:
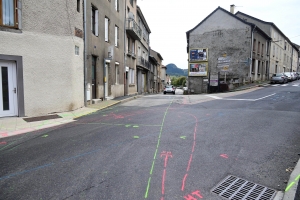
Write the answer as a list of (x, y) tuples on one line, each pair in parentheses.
[(290, 76), (169, 89), (296, 74), (279, 78)]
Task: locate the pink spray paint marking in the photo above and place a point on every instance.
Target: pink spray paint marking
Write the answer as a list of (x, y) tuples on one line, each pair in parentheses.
[(4, 134), (194, 195), (2, 143), (224, 155), (167, 154), (191, 156)]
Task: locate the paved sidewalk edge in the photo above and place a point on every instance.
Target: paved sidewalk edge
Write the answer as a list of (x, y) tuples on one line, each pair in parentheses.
[(291, 188)]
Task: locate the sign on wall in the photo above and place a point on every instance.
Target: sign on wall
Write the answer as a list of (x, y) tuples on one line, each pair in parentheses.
[(200, 54), (198, 69)]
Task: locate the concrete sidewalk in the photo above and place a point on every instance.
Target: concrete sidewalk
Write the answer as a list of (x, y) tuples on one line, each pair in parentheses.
[(11, 126)]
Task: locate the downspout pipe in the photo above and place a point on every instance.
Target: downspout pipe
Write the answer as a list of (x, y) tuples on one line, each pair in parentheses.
[(84, 54), (251, 52), (292, 59), (125, 44)]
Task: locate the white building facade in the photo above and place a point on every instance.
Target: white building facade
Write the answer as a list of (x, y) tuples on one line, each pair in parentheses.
[(41, 57)]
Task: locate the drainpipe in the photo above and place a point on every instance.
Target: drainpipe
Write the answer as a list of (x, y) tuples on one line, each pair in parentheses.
[(125, 59), (292, 59), (84, 54), (269, 53), (252, 38)]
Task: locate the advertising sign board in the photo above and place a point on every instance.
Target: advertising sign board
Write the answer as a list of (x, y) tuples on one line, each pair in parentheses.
[(200, 54), (198, 69)]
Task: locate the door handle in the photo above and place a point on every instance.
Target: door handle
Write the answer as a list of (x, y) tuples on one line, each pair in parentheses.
[(15, 90)]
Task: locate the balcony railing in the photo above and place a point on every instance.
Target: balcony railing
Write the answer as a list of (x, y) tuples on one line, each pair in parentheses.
[(143, 63), (133, 29)]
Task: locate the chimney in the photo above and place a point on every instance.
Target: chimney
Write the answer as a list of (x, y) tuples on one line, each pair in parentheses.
[(232, 8)]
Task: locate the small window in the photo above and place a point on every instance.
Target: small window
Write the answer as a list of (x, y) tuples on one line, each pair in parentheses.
[(254, 42), (94, 20), (8, 13), (117, 73), (106, 29), (117, 5), (116, 36), (78, 5), (76, 50)]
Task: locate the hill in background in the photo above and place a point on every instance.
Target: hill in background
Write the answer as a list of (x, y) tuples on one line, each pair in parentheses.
[(173, 70)]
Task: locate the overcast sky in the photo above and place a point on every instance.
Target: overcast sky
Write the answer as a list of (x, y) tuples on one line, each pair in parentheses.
[(169, 20)]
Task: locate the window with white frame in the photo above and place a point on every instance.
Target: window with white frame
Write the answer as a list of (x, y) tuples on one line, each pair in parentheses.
[(106, 29), (116, 36), (117, 5), (94, 20), (9, 13), (131, 76), (76, 50), (117, 73)]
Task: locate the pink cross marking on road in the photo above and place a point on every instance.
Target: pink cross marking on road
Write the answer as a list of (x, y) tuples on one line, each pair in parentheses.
[(167, 154)]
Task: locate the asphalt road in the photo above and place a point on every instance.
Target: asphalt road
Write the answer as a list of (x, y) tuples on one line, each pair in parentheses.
[(159, 147)]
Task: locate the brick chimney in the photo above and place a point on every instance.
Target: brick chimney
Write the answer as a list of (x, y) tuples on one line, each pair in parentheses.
[(232, 8)]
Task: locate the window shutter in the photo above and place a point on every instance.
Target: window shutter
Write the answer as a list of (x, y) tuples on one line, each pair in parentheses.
[(96, 22)]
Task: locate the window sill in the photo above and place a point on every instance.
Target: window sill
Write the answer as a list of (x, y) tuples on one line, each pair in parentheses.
[(12, 29), (252, 73), (128, 54), (131, 85)]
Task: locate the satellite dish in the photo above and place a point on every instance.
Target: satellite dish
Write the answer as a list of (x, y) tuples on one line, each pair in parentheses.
[(130, 15)]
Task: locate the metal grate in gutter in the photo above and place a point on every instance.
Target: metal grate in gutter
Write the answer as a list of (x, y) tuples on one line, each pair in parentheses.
[(235, 188)]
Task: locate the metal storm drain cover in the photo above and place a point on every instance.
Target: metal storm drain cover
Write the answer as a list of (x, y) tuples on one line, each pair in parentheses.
[(239, 189)]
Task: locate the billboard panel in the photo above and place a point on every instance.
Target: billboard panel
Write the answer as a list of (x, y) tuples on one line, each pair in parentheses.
[(200, 54), (198, 69)]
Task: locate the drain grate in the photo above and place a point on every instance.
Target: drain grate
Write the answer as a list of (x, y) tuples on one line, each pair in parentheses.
[(239, 189)]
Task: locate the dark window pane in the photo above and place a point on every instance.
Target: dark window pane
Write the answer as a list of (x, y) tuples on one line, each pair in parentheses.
[(5, 92)]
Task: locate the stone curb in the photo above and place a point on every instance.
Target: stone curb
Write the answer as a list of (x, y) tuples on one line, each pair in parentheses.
[(291, 188)]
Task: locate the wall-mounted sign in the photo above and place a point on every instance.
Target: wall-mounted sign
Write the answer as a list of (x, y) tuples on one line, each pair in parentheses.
[(223, 61), (198, 69), (214, 80), (198, 55)]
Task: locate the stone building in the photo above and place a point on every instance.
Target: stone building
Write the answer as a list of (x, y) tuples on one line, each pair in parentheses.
[(222, 45), (157, 72), (143, 52), (105, 36), (283, 53), (133, 34), (41, 57)]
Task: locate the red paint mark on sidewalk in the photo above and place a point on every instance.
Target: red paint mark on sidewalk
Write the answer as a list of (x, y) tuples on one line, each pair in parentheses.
[(4, 134), (167, 154), (224, 155), (1, 143)]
